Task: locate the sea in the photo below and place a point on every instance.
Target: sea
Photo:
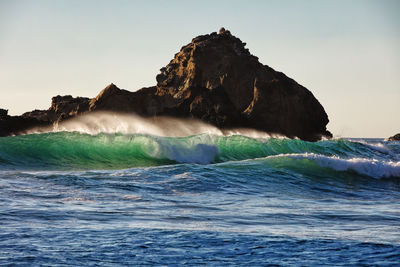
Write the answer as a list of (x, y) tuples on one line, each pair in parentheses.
[(125, 191)]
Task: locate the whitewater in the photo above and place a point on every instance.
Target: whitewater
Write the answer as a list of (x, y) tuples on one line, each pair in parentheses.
[(116, 189)]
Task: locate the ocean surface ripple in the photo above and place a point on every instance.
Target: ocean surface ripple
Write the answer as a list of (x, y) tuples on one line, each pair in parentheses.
[(73, 198)]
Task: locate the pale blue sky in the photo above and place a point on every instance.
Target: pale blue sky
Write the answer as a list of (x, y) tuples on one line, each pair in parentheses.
[(346, 52)]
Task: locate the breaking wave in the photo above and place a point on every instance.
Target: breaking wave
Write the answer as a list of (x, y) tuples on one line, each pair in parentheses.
[(369, 167), (74, 150)]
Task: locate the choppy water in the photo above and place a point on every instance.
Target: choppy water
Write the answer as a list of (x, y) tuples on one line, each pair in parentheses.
[(70, 198)]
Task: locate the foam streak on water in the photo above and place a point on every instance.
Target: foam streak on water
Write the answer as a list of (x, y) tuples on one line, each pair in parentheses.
[(370, 167)]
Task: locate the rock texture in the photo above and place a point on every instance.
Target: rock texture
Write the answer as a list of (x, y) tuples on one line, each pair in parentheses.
[(12, 125), (142, 102), (3, 113), (216, 79), (395, 137)]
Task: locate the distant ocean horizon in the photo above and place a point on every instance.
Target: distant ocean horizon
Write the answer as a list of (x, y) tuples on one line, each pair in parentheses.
[(111, 197)]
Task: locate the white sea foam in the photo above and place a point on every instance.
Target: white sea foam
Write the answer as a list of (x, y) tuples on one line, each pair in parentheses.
[(379, 147), (252, 133), (369, 167), (111, 122), (199, 150)]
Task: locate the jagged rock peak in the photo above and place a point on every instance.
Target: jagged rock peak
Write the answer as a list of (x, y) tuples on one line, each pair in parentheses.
[(223, 36), (204, 62), (217, 79), (116, 99), (108, 91), (3, 113), (109, 88)]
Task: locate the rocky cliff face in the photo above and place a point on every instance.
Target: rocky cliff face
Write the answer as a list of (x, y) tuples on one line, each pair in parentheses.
[(216, 79), (143, 102)]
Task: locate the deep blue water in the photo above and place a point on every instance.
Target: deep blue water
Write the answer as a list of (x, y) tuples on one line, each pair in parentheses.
[(70, 199)]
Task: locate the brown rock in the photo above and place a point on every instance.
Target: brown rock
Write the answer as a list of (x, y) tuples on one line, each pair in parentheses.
[(62, 108), (3, 113), (13, 125), (142, 102), (395, 137), (249, 94), (68, 106)]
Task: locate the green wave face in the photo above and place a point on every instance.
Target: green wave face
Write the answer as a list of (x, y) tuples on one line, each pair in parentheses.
[(72, 150), (82, 151)]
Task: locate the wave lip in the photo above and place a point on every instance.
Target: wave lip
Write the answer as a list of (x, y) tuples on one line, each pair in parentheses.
[(369, 167)]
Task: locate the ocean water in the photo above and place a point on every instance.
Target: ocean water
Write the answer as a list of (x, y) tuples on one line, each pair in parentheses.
[(70, 198)]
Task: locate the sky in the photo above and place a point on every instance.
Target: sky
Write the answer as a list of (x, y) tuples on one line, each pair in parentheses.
[(347, 53)]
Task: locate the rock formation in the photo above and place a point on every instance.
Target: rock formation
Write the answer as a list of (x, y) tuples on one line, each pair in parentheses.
[(213, 78), (3, 113), (395, 137)]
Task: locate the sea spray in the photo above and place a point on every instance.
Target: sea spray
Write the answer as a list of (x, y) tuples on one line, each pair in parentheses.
[(130, 123)]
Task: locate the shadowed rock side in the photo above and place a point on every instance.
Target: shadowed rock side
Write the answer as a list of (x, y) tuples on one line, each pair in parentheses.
[(395, 137), (216, 79), (62, 108)]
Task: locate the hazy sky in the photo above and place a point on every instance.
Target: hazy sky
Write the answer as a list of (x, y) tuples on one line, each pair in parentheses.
[(346, 52)]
